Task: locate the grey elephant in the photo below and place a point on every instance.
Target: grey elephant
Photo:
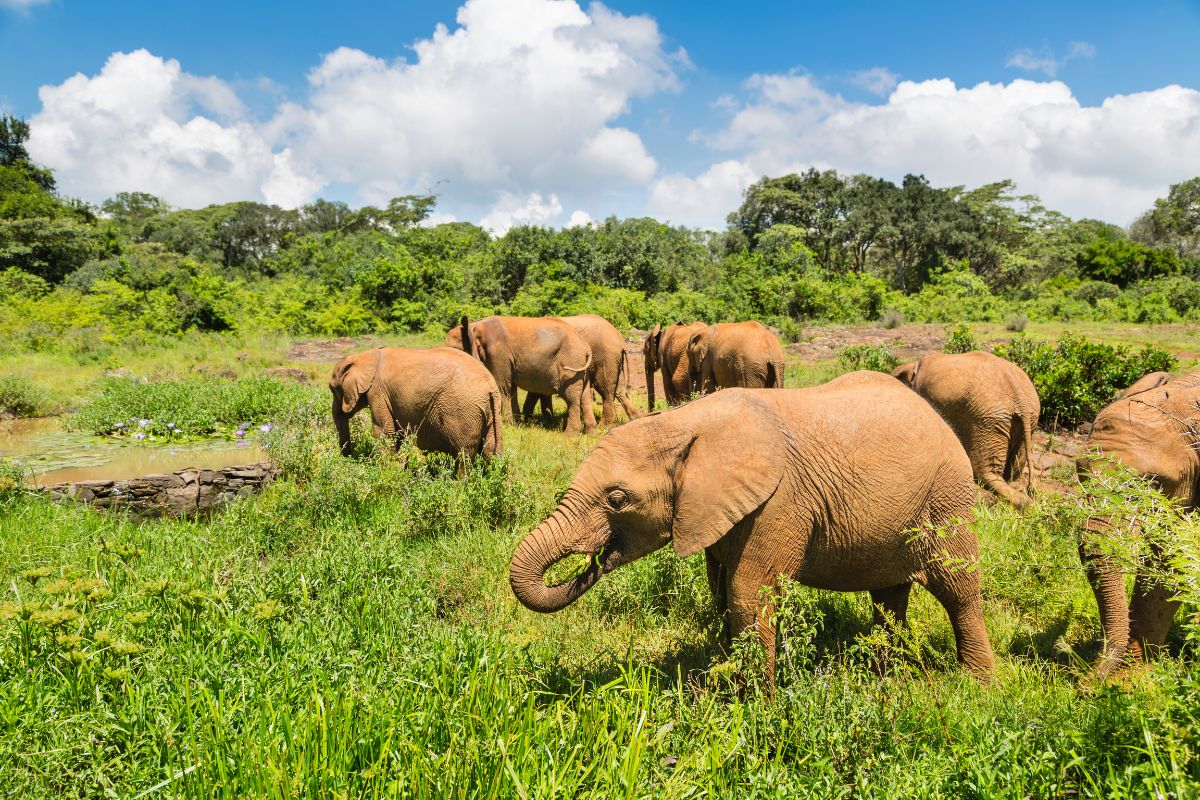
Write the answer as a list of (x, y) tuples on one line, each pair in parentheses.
[(444, 398), (542, 355), (665, 350), (735, 354), (609, 375), (993, 408), (856, 485), (1153, 428)]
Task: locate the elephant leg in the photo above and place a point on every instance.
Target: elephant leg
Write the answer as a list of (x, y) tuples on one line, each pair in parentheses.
[(889, 611), (752, 608), (547, 402), (577, 409), (958, 590), (720, 592), (1151, 611), (608, 407), (1108, 585), (531, 401)]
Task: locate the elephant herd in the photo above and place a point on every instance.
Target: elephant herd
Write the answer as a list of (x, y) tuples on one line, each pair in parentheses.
[(865, 483)]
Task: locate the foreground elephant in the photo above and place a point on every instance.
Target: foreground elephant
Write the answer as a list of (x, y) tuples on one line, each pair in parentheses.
[(542, 355), (443, 397), (839, 487), (666, 349), (1152, 429), (731, 354), (609, 376), (990, 404)]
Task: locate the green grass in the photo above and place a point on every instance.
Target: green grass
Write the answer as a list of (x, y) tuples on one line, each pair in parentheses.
[(351, 633)]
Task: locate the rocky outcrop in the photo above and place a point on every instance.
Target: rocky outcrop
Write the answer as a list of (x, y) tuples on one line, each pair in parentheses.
[(176, 494)]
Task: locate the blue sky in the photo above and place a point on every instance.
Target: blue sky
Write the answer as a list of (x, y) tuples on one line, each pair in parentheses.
[(603, 113)]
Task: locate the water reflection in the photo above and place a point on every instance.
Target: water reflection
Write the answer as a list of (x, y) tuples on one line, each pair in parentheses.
[(57, 456)]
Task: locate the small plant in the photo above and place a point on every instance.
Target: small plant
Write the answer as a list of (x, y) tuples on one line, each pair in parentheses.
[(877, 357), (1016, 323), (891, 319), (960, 339), (19, 397)]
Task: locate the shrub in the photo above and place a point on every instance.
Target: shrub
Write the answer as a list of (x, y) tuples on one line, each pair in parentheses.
[(1076, 378), (19, 397), (891, 319), (877, 357), (960, 339), (1016, 323)]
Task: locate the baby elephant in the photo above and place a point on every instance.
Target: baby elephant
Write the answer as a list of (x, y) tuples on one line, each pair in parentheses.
[(992, 407), (857, 485), (445, 398)]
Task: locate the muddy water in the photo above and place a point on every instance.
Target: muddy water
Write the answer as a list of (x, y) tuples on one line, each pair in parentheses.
[(57, 456)]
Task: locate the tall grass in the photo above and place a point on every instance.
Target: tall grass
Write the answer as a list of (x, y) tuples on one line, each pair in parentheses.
[(351, 633)]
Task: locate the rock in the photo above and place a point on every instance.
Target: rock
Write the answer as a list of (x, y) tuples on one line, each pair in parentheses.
[(1084, 428), (288, 373)]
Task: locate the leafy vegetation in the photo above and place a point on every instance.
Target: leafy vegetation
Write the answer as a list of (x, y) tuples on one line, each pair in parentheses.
[(877, 357), (1076, 378)]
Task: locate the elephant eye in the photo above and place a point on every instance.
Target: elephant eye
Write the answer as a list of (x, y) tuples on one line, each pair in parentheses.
[(617, 499)]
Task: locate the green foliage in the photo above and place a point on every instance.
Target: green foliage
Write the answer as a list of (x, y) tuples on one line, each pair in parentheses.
[(20, 397), (151, 410), (1076, 378), (879, 357), (1123, 262), (960, 339)]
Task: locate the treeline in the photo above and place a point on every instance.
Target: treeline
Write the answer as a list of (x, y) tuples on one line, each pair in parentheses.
[(818, 246)]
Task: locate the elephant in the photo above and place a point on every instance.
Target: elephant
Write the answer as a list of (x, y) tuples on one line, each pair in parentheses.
[(855, 485), (609, 376), (990, 404), (1154, 429), (445, 398), (731, 354), (666, 349), (542, 355)]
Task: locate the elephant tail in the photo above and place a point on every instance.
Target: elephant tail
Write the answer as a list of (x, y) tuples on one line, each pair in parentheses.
[(494, 430), (774, 375), (1027, 439), (587, 363)]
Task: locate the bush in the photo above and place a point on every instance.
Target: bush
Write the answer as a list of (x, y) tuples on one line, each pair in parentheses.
[(19, 397), (891, 319), (146, 411), (878, 357), (959, 339), (1016, 323), (1075, 378)]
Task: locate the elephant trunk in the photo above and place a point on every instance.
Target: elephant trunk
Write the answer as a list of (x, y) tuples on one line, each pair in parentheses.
[(556, 538), (650, 384), (341, 422)]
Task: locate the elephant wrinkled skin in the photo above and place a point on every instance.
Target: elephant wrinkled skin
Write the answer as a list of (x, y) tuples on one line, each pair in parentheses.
[(1153, 429), (542, 355), (730, 354), (666, 349), (991, 406), (443, 397), (857, 485)]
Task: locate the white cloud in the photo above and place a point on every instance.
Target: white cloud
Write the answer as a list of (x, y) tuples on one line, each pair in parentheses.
[(876, 80), (1045, 60), (520, 98), (1108, 161), (705, 200), (578, 218), (142, 124), (512, 210)]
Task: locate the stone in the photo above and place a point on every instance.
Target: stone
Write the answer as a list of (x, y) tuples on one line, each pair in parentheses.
[(288, 373)]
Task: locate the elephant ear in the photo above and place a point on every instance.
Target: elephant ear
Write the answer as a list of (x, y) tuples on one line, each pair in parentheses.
[(357, 377), (650, 348), (1149, 381), (907, 373), (732, 465)]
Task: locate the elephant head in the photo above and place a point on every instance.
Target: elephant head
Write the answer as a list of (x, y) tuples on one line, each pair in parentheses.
[(650, 352), (907, 373), (684, 476), (697, 354), (349, 383), (463, 336), (1151, 380)]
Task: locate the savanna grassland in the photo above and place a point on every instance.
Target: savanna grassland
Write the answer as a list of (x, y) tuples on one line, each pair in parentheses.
[(351, 632)]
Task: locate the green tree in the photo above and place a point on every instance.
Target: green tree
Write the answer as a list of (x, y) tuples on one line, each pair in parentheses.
[(1124, 262), (135, 213)]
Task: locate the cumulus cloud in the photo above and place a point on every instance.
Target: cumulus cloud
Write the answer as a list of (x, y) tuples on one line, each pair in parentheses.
[(578, 218), (143, 124), (876, 80), (521, 97), (1108, 161), (512, 210), (1045, 60), (704, 200)]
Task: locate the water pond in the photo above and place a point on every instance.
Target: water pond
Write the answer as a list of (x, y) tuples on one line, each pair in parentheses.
[(53, 455)]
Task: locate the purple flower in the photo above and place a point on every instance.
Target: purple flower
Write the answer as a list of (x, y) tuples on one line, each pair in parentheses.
[(170, 424), (239, 433), (139, 436), (119, 425), (143, 423), (265, 428)]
